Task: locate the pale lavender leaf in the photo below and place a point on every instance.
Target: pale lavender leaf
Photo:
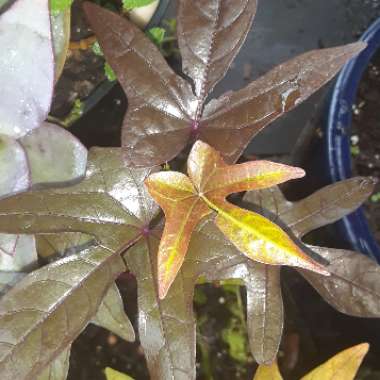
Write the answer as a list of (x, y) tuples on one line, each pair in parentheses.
[(27, 68), (54, 154)]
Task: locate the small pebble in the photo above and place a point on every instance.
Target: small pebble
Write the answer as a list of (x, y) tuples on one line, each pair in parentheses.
[(354, 139)]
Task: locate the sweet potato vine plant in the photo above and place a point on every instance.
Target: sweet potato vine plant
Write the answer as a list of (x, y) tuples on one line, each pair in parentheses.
[(97, 226)]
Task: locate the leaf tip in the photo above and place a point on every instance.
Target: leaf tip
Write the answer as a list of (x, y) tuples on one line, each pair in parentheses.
[(163, 288), (299, 173), (310, 264), (361, 350)]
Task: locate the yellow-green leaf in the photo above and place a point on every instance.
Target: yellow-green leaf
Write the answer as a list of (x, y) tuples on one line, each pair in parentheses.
[(268, 372), (342, 366), (260, 239), (111, 374)]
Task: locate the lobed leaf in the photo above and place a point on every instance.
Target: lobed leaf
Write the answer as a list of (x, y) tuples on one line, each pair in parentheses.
[(110, 206), (38, 325), (239, 116), (210, 181), (210, 34), (342, 366), (164, 114), (328, 205), (353, 286), (183, 210), (212, 177), (160, 102)]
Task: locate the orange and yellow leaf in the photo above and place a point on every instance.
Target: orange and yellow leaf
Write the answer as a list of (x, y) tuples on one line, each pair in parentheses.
[(268, 372), (253, 175), (183, 210), (186, 200), (342, 366)]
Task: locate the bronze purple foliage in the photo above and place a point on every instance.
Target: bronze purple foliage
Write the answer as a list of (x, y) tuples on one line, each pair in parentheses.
[(166, 112)]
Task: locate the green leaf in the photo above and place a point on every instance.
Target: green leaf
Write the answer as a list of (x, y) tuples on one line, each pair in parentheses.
[(97, 49), (57, 6), (235, 338), (156, 35), (110, 74), (131, 4), (111, 374)]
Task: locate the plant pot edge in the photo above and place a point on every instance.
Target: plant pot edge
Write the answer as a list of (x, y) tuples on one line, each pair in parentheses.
[(354, 228)]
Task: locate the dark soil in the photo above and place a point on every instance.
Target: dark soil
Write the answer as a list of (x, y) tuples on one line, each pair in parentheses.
[(83, 70), (366, 137)]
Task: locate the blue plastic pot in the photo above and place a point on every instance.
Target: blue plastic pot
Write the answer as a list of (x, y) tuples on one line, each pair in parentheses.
[(355, 228)]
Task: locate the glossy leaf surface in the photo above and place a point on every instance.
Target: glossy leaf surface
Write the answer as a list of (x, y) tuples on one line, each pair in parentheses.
[(26, 77), (111, 206), (14, 168), (111, 315), (17, 252), (189, 199), (164, 113), (37, 325), (353, 285), (108, 199), (210, 35)]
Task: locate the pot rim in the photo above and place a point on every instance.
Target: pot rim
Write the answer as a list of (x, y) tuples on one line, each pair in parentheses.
[(354, 227)]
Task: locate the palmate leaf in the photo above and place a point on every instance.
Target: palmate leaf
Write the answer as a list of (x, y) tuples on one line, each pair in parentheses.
[(164, 114), (344, 365), (110, 205), (166, 327), (210, 181), (353, 285), (45, 311)]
